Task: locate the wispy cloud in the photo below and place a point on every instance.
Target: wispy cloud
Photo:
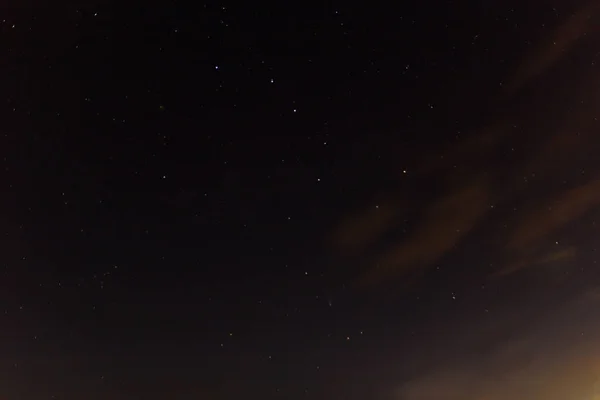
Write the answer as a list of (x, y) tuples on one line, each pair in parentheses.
[(556, 46), (566, 254), (536, 225), (358, 231), (523, 366), (548, 170), (445, 222)]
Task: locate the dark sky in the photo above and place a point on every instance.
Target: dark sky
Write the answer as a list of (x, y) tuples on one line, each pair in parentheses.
[(300, 201)]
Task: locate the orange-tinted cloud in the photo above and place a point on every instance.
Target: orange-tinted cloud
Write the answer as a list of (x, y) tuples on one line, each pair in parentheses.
[(523, 157), (527, 364), (527, 241), (591, 296), (444, 224), (570, 375), (554, 215), (558, 45), (359, 231), (565, 254), (559, 148)]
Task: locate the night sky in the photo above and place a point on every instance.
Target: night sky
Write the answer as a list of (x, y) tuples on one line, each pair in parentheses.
[(290, 200)]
